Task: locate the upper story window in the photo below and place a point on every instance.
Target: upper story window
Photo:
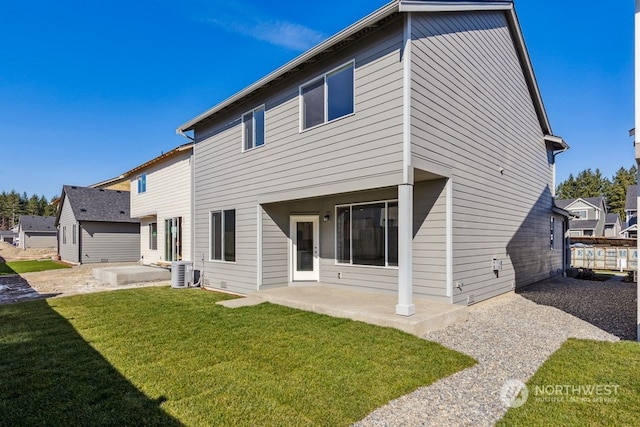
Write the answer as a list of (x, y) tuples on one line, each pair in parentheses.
[(142, 183), (328, 97), (253, 128), (582, 214)]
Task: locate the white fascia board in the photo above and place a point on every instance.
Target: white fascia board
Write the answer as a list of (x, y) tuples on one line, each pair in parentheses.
[(347, 32), (447, 6), (557, 141)]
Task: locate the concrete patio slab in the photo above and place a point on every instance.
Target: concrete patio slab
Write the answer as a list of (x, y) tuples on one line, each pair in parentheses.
[(130, 274), (376, 309)]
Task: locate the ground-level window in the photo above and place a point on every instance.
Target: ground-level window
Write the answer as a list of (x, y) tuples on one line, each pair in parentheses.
[(73, 234), (367, 234), (587, 232), (223, 235), (153, 236), (64, 235), (253, 128)]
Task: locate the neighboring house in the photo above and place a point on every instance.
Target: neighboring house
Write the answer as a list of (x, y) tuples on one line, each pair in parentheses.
[(589, 216), (94, 225), (612, 225), (37, 232), (8, 236), (410, 154), (631, 213), (161, 199)]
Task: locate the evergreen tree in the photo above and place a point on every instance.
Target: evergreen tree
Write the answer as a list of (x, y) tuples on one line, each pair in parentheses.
[(586, 184), (617, 194)]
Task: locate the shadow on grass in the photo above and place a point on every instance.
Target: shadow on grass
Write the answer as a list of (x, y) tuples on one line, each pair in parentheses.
[(49, 375)]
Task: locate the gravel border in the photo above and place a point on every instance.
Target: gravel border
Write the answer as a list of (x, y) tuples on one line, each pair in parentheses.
[(510, 337), (610, 305)]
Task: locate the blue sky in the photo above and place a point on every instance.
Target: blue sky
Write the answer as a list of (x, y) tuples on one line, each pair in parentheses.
[(91, 89)]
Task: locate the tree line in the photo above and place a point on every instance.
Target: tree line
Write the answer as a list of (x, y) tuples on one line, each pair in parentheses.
[(12, 205), (590, 183)]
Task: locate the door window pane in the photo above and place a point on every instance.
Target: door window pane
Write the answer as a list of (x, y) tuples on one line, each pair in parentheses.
[(304, 246)]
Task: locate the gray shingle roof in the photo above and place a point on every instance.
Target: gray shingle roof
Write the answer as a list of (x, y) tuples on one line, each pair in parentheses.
[(595, 201), (97, 204), (632, 198), (37, 223), (583, 224), (612, 218)]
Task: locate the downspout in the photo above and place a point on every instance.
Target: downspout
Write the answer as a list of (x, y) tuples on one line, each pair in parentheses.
[(200, 281)]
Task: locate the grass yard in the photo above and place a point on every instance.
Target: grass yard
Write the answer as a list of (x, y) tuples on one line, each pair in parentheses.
[(584, 383), (157, 356), (19, 267)]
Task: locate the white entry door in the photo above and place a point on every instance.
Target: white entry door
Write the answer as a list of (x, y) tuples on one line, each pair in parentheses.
[(305, 236)]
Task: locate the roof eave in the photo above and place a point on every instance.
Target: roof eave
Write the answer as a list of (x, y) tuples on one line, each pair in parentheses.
[(352, 29), (406, 6)]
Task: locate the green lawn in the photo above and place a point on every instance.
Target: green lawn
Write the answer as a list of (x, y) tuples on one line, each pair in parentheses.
[(158, 356), (584, 383), (19, 267)]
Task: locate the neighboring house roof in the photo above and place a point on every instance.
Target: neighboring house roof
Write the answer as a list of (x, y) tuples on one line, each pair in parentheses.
[(7, 233), (596, 202), (96, 204), (632, 198), (583, 224), (375, 19), (131, 173), (37, 223), (633, 227), (612, 218)]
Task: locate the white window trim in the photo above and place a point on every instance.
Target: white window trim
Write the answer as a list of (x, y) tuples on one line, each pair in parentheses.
[(326, 109), (222, 261), (586, 214), (386, 235), (264, 108)]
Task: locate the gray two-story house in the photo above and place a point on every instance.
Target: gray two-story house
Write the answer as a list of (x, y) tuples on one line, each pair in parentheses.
[(409, 154), (589, 216)]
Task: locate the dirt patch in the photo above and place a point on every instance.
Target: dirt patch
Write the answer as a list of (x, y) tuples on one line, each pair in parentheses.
[(64, 282), (12, 253)]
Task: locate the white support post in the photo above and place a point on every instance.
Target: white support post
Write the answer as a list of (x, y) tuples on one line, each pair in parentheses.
[(637, 132), (405, 305), (259, 247)]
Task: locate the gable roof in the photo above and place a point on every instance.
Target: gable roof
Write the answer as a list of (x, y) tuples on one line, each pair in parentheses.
[(596, 202), (96, 204), (378, 18), (612, 218), (631, 203), (131, 173), (37, 223)]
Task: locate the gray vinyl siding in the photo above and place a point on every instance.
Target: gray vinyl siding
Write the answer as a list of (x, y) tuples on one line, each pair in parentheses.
[(110, 242), (37, 239), (357, 152), (472, 112), (429, 241), (68, 251)]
